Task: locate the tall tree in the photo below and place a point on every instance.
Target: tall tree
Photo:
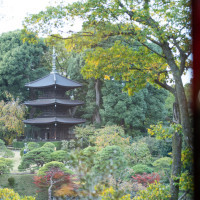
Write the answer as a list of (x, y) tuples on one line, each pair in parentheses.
[(136, 112), (20, 62)]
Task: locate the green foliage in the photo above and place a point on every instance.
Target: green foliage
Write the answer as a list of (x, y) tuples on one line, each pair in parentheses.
[(37, 157), (60, 156), (169, 105), (163, 166), (11, 181), (18, 144), (8, 154), (138, 153), (156, 147), (49, 145), (163, 132), (117, 107), (162, 163), (140, 169), (53, 164), (83, 134), (5, 165), (6, 193), (110, 160), (19, 63), (32, 145), (154, 191)]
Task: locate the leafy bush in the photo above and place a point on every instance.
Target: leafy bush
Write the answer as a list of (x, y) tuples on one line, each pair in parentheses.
[(64, 145), (49, 145), (140, 169), (33, 145), (60, 156), (2, 145), (53, 164), (20, 144), (8, 154), (146, 179), (6, 193), (111, 193), (110, 160), (37, 157), (11, 181), (5, 165), (138, 153), (154, 191), (22, 151)]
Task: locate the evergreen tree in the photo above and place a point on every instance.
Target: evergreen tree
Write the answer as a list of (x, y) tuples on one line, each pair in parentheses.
[(19, 63), (135, 112)]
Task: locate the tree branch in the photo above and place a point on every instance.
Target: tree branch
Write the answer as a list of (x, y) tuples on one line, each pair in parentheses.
[(152, 50), (165, 86), (183, 56)]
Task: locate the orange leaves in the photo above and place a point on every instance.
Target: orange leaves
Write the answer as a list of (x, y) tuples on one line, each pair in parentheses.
[(65, 190)]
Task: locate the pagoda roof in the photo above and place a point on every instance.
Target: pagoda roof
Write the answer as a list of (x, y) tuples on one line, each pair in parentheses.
[(52, 120), (42, 102), (53, 79)]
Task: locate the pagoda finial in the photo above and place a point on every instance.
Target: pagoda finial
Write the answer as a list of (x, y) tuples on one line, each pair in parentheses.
[(54, 61)]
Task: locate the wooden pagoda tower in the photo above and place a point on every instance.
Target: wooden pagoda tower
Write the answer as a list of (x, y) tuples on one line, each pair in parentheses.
[(52, 111)]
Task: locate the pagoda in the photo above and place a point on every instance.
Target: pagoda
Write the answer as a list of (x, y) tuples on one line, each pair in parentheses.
[(52, 111)]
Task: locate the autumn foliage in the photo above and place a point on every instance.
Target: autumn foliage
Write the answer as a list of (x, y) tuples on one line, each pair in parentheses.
[(146, 179), (58, 181)]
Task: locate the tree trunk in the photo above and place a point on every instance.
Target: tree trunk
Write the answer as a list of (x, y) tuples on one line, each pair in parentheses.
[(49, 189), (97, 117), (184, 114), (180, 95), (176, 165), (176, 155)]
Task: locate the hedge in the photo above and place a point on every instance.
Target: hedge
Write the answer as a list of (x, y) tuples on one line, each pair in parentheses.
[(20, 144)]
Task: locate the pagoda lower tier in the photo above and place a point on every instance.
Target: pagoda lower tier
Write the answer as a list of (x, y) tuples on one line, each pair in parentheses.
[(53, 128)]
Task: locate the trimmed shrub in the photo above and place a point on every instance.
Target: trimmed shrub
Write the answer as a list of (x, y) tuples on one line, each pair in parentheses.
[(140, 169), (49, 145), (11, 181), (8, 154), (33, 145)]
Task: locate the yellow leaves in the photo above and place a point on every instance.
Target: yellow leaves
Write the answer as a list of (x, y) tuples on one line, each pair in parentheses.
[(106, 77), (11, 194), (11, 116)]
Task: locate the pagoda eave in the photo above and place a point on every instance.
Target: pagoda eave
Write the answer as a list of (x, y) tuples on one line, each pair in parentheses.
[(43, 102), (54, 120), (53, 79)]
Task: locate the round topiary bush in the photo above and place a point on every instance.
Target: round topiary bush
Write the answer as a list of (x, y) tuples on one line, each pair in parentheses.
[(49, 145), (11, 181), (141, 168), (33, 145)]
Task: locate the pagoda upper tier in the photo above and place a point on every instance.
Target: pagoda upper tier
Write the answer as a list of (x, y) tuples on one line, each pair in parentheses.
[(53, 79)]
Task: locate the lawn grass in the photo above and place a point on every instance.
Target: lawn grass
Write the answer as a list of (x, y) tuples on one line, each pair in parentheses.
[(23, 185)]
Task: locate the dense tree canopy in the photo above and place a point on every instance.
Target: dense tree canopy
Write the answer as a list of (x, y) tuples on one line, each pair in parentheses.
[(136, 112), (20, 63)]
